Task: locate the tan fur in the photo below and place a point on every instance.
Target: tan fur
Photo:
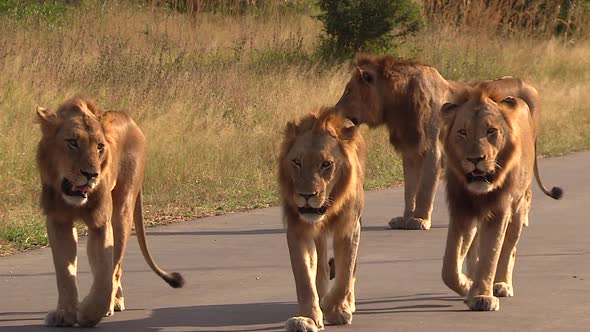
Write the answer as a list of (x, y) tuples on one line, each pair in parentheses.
[(322, 164), (83, 149), (405, 97), (489, 144)]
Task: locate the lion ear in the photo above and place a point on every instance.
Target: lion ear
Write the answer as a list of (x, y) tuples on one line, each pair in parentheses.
[(448, 111), (45, 116), (348, 129), (366, 75), (448, 108), (290, 130), (510, 101)]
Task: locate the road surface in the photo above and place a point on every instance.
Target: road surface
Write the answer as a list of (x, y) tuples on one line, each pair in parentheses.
[(239, 277)]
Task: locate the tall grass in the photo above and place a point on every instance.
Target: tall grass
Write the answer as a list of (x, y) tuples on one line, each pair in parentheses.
[(213, 93)]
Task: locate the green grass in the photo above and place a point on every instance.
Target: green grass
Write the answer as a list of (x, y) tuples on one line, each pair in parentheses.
[(212, 95)]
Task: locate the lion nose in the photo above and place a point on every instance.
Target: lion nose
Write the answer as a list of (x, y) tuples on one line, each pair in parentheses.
[(476, 160), (308, 196), (89, 174)]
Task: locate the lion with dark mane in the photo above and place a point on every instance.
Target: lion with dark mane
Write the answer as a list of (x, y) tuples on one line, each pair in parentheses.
[(92, 166), (490, 146), (321, 175)]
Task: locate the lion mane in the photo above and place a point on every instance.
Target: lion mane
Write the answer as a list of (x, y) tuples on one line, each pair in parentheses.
[(490, 147)]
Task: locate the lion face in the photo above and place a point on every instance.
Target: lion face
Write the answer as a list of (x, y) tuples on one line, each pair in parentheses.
[(314, 164), (78, 151), (362, 100), (480, 141)]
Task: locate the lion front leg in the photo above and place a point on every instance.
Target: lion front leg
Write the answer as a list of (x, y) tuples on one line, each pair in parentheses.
[(337, 303), (459, 239), (503, 286), (303, 256), (491, 237), (63, 240), (100, 256)]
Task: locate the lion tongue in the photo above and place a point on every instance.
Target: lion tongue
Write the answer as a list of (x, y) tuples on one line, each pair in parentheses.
[(82, 189)]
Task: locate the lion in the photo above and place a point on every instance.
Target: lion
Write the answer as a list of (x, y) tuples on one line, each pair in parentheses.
[(406, 97), (489, 141), (92, 164), (321, 176)]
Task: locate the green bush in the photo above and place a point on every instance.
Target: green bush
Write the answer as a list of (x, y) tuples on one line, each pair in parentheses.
[(23, 10), (374, 26)]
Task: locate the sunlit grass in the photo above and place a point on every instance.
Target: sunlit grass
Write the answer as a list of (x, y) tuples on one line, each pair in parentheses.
[(213, 95)]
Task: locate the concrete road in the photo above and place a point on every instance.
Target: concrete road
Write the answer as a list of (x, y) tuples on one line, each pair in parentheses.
[(239, 276)]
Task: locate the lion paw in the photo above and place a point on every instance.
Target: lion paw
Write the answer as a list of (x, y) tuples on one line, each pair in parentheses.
[(418, 223), (303, 324), (119, 304), (503, 289), (409, 223), (483, 303), (60, 318), (339, 317), (397, 223), (90, 314)]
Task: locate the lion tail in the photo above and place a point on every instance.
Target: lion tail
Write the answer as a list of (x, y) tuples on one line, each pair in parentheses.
[(556, 192), (174, 279)]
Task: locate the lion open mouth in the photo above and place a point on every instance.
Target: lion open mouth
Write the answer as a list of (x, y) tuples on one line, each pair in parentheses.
[(70, 190), (479, 176), (309, 210)]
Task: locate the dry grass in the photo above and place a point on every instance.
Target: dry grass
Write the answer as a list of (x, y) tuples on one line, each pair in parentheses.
[(213, 94)]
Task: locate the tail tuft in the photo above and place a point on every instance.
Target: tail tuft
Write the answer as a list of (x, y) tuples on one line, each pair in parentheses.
[(556, 193), (175, 280)]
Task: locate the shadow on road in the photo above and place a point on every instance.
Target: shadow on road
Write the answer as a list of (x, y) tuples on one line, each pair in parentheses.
[(269, 231), (249, 317)]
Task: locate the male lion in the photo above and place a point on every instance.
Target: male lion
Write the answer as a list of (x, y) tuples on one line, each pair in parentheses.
[(92, 167), (321, 175), (489, 143), (406, 97)]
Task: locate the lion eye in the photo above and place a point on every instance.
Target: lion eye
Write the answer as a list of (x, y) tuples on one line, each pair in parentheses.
[(492, 131), (72, 144), (296, 162), (327, 164), (462, 132), (100, 147)]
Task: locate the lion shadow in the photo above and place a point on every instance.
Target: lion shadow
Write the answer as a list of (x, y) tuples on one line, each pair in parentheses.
[(250, 317)]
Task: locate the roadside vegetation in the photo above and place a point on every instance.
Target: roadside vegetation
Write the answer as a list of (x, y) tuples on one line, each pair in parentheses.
[(213, 91)]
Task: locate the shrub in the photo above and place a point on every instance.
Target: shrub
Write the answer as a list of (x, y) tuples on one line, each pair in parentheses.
[(23, 10), (373, 26)]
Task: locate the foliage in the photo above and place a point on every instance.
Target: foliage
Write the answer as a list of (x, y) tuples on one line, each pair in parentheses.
[(357, 25), (33, 9)]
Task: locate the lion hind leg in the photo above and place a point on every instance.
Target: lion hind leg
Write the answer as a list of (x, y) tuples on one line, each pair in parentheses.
[(122, 225), (411, 179), (429, 175), (323, 267)]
